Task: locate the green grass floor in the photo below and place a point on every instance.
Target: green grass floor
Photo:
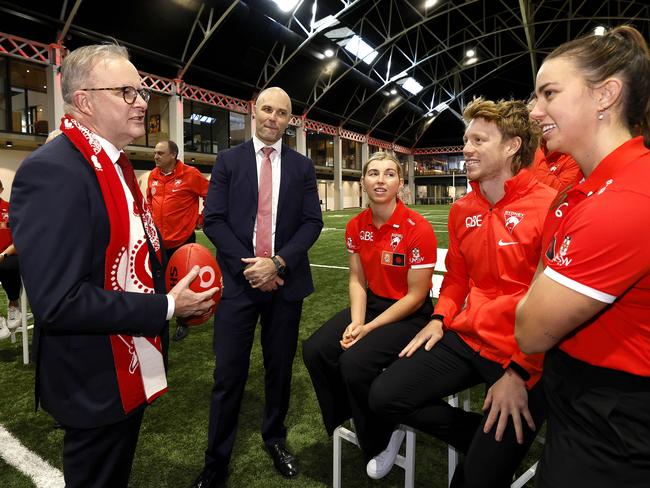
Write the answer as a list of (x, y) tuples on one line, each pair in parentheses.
[(173, 436)]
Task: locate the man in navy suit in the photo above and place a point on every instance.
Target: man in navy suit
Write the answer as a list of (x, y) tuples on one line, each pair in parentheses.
[(262, 281), (92, 267)]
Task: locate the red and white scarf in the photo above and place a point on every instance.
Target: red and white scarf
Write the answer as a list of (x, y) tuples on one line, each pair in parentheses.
[(138, 360)]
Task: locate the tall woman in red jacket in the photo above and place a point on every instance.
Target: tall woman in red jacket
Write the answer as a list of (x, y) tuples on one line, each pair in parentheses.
[(494, 247), (590, 308), (392, 256)]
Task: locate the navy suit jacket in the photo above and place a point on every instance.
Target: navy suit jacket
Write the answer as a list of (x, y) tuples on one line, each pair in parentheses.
[(61, 231), (231, 209)]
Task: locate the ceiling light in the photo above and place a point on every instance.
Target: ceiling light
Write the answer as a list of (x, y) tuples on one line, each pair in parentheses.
[(393, 91), (412, 86), (324, 23), (430, 3), (9, 144), (470, 53), (361, 49), (600, 30), (27, 71), (471, 61), (329, 53), (286, 5)]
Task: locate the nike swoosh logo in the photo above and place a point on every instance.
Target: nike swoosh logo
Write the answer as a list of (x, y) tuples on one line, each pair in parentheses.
[(503, 243)]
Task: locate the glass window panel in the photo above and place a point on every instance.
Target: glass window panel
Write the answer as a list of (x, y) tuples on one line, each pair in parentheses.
[(237, 129), (28, 94)]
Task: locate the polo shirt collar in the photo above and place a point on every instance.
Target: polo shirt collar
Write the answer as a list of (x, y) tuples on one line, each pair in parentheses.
[(612, 164), (395, 220)]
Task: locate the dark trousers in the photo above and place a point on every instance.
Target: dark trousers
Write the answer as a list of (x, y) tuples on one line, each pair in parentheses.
[(412, 391), (190, 240), (234, 331), (101, 457), (598, 432), (342, 378), (10, 277)]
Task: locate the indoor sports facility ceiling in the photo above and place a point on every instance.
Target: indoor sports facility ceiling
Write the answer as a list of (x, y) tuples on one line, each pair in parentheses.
[(424, 61)]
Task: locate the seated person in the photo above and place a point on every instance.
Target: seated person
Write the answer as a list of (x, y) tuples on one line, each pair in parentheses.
[(494, 247), (9, 272), (392, 256)]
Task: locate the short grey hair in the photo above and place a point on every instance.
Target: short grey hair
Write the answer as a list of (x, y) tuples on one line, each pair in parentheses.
[(78, 65)]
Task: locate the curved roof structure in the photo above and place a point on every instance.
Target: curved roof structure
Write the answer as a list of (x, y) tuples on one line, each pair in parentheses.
[(423, 61)]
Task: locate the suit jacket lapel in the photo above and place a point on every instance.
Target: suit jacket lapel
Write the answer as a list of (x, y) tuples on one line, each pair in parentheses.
[(249, 163), (285, 172)]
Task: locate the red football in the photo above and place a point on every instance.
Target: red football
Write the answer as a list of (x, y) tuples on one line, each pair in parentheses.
[(182, 261)]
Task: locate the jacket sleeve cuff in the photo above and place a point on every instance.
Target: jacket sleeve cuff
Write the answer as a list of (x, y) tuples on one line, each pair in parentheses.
[(520, 370)]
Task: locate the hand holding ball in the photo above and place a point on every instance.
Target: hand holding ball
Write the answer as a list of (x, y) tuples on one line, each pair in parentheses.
[(182, 262)]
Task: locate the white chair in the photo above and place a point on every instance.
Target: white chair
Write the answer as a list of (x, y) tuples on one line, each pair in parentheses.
[(23, 326), (405, 461)]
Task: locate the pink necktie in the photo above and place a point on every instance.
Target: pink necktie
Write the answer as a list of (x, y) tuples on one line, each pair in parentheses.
[(129, 177), (263, 245)]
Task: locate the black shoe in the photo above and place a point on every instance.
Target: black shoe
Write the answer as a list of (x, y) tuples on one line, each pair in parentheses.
[(181, 332), (285, 462), (209, 479)]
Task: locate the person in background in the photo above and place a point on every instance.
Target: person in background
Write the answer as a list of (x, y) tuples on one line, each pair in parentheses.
[(9, 273), (92, 265), (590, 307), (173, 192), (392, 255), (555, 169), (262, 214), (495, 235)]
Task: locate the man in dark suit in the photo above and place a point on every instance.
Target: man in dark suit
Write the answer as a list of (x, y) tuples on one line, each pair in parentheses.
[(92, 266), (263, 214)]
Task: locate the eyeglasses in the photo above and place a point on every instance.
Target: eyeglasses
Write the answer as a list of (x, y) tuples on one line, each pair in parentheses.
[(129, 93)]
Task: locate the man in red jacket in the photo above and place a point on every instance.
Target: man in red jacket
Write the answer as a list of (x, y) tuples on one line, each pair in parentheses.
[(494, 247), (173, 192)]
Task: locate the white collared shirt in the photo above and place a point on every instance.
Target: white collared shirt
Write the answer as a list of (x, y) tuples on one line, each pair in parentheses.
[(275, 170), (113, 154)]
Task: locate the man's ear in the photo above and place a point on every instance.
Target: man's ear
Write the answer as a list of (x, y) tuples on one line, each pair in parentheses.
[(82, 102), (513, 145)]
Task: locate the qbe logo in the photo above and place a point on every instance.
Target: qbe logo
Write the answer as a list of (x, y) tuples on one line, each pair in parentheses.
[(366, 235), (473, 221)]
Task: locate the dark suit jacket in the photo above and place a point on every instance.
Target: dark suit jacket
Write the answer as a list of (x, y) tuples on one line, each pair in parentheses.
[(61, 229), (231, 209)]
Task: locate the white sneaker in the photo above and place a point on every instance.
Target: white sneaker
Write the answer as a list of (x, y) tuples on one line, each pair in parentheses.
[(380, 465), (4, 331), (13, 318)]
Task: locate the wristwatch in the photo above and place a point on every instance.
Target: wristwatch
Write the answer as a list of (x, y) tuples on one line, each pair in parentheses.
[(279, 266)]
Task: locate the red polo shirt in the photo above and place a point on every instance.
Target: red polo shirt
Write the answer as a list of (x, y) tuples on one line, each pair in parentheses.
[(5, 233), (406, 241), (602, 249), (174, 201)]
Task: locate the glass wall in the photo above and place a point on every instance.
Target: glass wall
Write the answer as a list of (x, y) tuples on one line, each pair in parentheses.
[(237, 129), (289, 137), (351, 154), (23, 97), (320, 148), (206, 128)]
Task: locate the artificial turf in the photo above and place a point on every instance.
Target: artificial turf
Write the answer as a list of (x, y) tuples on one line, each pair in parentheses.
[(173, 436)]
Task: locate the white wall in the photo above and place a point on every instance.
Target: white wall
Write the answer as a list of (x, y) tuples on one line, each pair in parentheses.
[(9, 162), (351, 193)]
